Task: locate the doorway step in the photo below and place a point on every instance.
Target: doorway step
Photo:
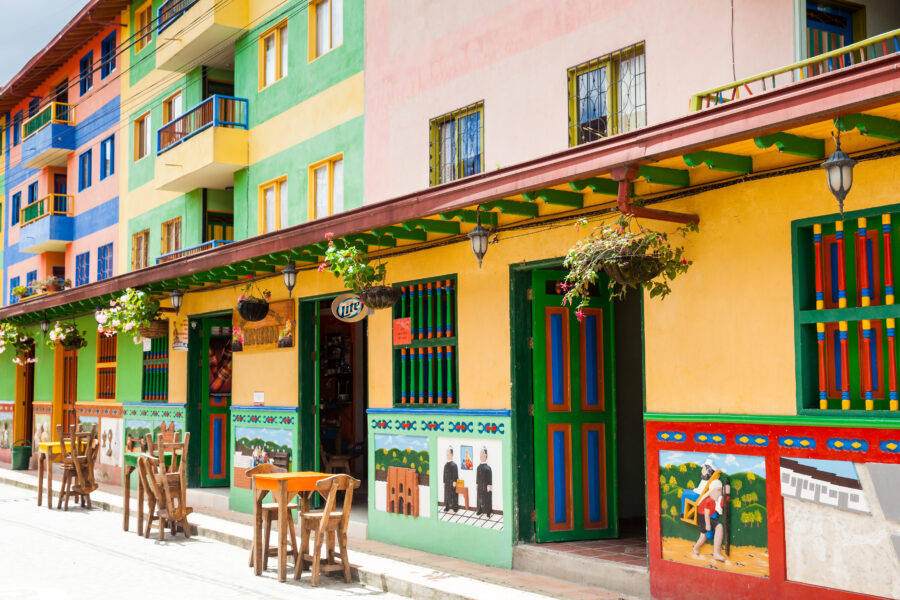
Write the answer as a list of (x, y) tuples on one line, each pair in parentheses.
[(214, 498), (619, 565)]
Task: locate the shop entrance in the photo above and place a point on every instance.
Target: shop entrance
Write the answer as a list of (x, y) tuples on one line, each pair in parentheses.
[(69, 388), (23, 409), (210, 360), (333, 392)]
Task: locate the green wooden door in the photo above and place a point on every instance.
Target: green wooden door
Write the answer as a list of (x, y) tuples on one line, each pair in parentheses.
[(215, 400), (574, 423)]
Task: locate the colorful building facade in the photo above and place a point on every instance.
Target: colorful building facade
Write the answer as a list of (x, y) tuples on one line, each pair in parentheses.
[(486, 419)]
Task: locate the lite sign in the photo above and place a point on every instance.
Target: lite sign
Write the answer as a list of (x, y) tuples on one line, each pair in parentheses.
[(349, 308)]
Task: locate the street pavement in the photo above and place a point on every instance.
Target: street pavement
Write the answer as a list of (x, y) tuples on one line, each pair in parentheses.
[(52, 554)]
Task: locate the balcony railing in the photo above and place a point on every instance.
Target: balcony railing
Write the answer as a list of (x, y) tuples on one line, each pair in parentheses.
[(54, 204), (55, 112), (215, 111), (192, 250), (172, 9), (860, 52)]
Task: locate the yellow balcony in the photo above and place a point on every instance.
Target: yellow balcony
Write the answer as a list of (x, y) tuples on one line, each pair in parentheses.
[(47, 225), (194, 32)]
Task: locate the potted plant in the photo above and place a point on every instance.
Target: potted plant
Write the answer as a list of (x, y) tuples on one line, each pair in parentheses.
[(631, 255), (56, 284), (133, 311), (349, 262), (11, 336), (21, 291), (67, 335), (253, 307)]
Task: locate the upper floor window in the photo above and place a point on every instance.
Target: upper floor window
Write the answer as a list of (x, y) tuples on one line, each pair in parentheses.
[(844, 311), (143, 26), (326, 191), (456, 142), (106, 367), (607, 95), (273, 55), (33, 105), (107, 157), (140, 249), (172, 107), (84, 170), (32, 192), (14, 208), (108, 55), (326, 26), (83, 268), (17, 128), (273, 205), (13, 284), (171, 236), (30, 277), (86, 73), (142, 136), (105, 262)]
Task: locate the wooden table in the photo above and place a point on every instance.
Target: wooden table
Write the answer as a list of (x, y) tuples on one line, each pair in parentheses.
[(461, 489), (130, 463), (48, 452), (283, 486)]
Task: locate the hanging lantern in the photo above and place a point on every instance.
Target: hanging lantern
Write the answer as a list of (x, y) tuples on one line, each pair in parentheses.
[(45, 325), (839, 173), (176, 297), (290, 277), (479, 237)]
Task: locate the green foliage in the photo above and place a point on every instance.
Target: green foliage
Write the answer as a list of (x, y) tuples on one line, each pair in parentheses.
[(14, 337), (350, 263), (265, 445), (131, 310), (247, 292), (20, 290), (618, 243), (407, 459), (66, 334)]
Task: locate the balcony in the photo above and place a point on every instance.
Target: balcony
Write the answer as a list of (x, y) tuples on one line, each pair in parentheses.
[(192, 250), (834, 60), (47, 225), (48, 136), (192, 32), (203, 147)]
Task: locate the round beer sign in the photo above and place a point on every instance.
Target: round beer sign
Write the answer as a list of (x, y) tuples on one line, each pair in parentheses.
[(349, 308)]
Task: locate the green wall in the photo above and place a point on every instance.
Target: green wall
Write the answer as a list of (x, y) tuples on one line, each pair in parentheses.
[(7, 376), (189, 207), (129, 369)]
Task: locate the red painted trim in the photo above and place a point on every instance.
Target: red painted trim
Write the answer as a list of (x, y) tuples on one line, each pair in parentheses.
[(218, 401), (212, 448), (566, 428), (601, 439), (675, 580), (566, 406), (601, 388)]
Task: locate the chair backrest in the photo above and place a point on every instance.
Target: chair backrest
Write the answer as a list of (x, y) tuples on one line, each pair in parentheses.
[(65, 443), (262, 469), (164, 435), (330, 487), (148, 469), (179, 451)]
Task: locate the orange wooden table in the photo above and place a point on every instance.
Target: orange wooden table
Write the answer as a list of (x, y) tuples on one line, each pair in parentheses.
[(283, 487)]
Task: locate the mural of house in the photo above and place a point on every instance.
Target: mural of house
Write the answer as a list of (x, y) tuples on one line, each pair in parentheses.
[(819, 485)]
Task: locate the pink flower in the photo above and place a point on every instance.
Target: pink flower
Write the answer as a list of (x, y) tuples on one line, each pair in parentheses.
[(577, 225), (684, 261), (579, 315), (564, 286), (329, 235), (241, 298), (323, 266)]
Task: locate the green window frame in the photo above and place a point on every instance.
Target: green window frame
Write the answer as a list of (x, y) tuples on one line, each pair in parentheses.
[(845, 313), (426, 370)]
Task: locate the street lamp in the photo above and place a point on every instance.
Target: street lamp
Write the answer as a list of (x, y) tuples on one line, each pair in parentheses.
[(45, 325), (290, 277), (177, 296), (479, 237), (839, 172)]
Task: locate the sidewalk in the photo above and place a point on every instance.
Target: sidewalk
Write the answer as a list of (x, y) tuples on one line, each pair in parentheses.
[(394, 569)]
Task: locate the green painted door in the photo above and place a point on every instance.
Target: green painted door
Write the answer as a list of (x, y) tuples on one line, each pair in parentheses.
[(574, 422), (215, 400)]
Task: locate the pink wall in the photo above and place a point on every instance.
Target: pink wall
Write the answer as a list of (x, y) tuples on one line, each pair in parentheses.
[(90, 243), (424, 59)]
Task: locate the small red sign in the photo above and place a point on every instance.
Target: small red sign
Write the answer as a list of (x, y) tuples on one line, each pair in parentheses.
[(402, 331)]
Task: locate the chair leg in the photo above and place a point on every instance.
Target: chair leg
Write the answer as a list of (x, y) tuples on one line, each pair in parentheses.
[(186, 528), (292, 538), (151, 508), (162, 523), (329, 546), (266, 534), (342, 542), (304, 549), (317, 556)]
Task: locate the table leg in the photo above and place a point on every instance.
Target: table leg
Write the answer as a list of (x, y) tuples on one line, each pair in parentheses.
[(40, 476), (126, 495), (140, 523), (282, 530), (257, 531), (49, 456)]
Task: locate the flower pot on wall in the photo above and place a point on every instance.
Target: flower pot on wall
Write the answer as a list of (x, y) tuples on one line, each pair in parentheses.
[(380, 296), (253, 309), (157, 329), (73, 343), (634, 270)]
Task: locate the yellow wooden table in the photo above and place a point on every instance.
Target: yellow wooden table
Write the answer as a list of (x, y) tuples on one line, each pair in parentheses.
[(283, 487), (48, 452)]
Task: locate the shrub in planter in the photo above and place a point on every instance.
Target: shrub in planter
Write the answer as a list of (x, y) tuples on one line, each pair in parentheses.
[(253, 307), (21, 291), (631, 255), (67, 335), (350, 263)]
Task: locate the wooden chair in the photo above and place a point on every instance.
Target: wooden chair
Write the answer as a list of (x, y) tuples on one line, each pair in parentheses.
[(332, 462), (167, 487), (167, 437), (79, 452), (690, 506), (326, 526), (269, 514), (148, 468)]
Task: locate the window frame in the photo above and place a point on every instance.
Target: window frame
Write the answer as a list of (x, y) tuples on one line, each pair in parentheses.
[(164, 236), (83, 267), (435, 142), (18, 118), (86, 73), (108, 55), (313, 35), (168, 115), (280, 219), (84, 171), (35, 196), (14, 282), (105, 261), (144, 40), (279, 33), (15, 207), (106, 366), (140, 259), (312, 212), (107, 155), (142, 121)]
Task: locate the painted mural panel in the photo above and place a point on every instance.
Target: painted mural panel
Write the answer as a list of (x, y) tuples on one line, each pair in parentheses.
[(111, 442), (470, 483), (402, 474), (136, 431), (839, 528), (256, 445), (6, 431), (713, 510)]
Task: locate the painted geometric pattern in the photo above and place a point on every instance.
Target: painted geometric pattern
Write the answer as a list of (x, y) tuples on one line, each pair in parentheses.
[(709, 438), (671, 436), (752, 440), (892, 446), (793, 441), (481, 427), (43, 408), (165, 413), (263, 418), (849, 445), (87, 410)]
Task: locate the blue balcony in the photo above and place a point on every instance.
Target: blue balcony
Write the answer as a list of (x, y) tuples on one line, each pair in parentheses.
[(49, 136), (47, 225), (191, 251)]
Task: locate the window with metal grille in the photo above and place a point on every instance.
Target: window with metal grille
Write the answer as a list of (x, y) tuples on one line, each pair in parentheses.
[(607, 95), (105, 262), (456, 143), (845, 315), (140, 250), (171, 236), (30, 277), (13, 284), (82, 268), (425, 343), (155, 385), (106, 367)]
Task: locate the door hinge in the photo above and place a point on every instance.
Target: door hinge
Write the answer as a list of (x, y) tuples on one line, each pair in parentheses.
[(531, 410), (531, 343), (529, 294), (534, 516)]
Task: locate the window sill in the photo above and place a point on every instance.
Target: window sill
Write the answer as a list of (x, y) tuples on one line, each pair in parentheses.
[(326, 53)]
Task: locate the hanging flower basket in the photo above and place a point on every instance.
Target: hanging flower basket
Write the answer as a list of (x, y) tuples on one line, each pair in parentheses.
[(156, 329), (253, 309), (73, 342), (634, 266), (380, 296), (67, 335)]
